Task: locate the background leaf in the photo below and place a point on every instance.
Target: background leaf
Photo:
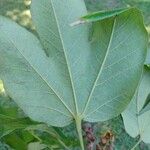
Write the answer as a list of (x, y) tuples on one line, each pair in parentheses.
[(11, 117), (135, 123)]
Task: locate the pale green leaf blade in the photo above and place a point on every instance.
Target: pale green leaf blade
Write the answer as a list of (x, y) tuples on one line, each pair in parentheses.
[(87, 66), (144, 89), (78, 84), (132, 117), (144, 122), (36, 146), (25, 70), (67, 46), (121, 64)]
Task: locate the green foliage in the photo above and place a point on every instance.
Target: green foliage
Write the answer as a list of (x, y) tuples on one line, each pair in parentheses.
[(75, 72), (102, 15), (11, 117), (19, 132)]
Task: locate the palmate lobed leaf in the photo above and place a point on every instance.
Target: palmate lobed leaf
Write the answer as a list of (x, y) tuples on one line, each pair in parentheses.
[(74, 78), (136, 118), (85, 65)]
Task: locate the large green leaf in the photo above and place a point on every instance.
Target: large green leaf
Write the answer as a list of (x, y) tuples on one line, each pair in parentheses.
[(77, 79), (137, 123), (86, 68)]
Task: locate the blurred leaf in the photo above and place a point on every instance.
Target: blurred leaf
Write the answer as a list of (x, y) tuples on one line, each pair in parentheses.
[(16, 141), (36, 146), (11, 117), (55, 137), (4, 146)]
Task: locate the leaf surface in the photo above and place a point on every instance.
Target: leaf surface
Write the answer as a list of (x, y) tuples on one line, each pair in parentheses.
[(74, 78), (137, 122)]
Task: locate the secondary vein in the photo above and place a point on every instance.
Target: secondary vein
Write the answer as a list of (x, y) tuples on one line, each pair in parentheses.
[(68, 66)]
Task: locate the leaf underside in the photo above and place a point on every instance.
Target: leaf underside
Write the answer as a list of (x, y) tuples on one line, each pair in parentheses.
[(64, 76), (137, 123)]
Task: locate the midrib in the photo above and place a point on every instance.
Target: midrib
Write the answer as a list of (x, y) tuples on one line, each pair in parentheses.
[(101, 69), (66, 58)]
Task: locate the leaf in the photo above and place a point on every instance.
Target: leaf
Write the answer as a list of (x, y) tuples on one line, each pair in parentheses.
[(16, 141), (49, 136), (62, 31), (77, 79), (100, 15), (36, 146), (11, 117), (137, 123), (29, 69)]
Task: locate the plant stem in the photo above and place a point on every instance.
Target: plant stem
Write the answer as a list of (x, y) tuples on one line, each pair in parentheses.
[(63, 144), (35, 136), (133, 148), (79, 130)]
